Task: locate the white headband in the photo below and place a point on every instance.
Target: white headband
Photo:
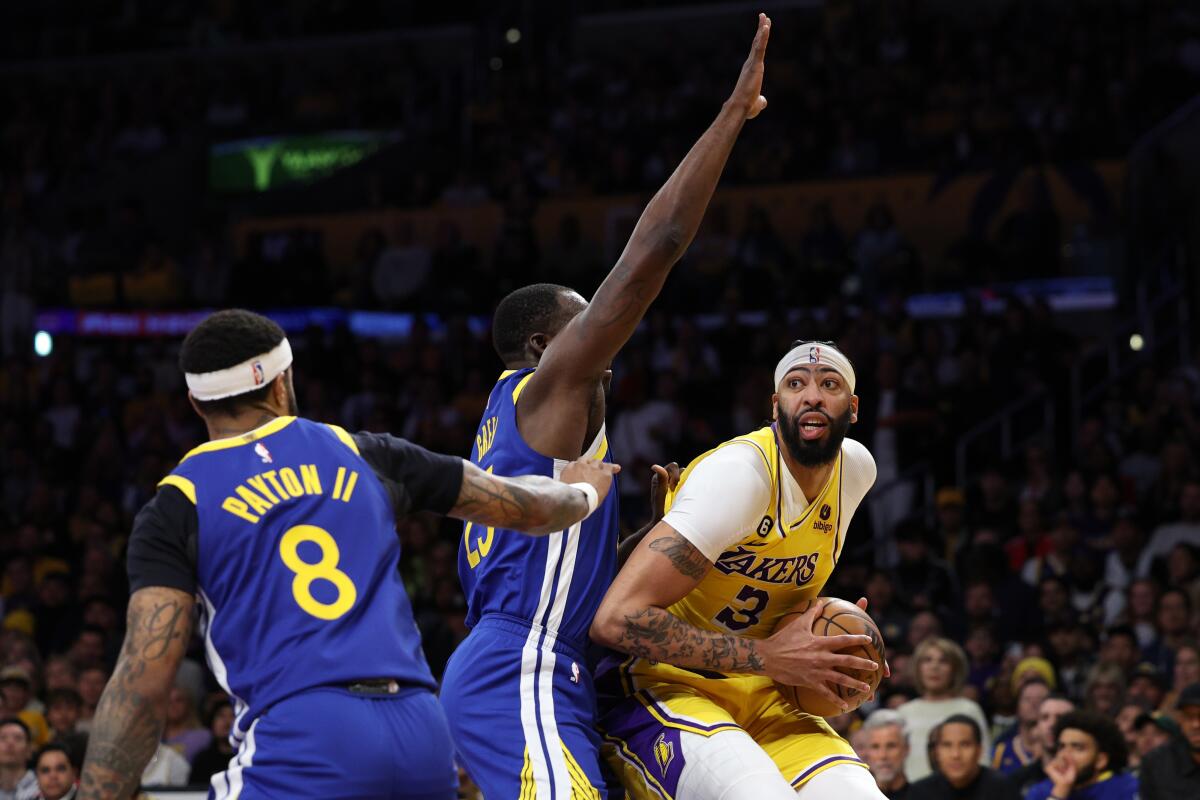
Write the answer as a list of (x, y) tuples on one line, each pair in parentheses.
[(254, 373), (811, 354)]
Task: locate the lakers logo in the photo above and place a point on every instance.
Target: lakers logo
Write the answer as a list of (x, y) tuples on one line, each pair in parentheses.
[(664, 753)]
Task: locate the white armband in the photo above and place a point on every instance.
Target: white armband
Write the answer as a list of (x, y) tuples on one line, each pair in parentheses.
[(593, 497)]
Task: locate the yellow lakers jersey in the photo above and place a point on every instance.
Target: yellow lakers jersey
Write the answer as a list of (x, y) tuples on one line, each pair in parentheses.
[(785, 559)]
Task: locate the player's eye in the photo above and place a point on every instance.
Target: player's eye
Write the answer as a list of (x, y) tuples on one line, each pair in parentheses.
[(830, 383), (794, 383)]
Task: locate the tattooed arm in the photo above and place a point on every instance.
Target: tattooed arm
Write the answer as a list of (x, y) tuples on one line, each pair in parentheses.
[(633, 618), (552, 412), (531, 503), (132, 711)]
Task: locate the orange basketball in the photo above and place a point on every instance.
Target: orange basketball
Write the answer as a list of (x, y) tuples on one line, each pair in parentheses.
[(837, 618)]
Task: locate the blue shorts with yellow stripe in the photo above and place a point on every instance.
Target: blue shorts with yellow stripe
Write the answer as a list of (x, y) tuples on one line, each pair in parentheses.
[(522, 711), (645, 708)]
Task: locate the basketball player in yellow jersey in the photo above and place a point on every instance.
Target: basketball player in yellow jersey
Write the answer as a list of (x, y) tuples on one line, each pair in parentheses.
[(755, 526)]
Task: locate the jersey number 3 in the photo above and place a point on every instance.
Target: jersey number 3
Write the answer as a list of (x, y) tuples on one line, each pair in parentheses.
[(325, 569), (738, 619)]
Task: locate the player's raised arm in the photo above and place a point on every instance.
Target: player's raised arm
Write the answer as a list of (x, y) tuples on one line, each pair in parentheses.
[(532, 503), (584, 349), (132, 711)]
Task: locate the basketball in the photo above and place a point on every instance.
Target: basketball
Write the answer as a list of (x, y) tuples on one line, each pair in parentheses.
[(838, 617)]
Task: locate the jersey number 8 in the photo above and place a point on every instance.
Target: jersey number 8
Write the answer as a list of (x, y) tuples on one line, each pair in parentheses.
[(325, 569)]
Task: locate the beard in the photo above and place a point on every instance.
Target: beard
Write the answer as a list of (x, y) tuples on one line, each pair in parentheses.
[(814, 452), (1085, 774)]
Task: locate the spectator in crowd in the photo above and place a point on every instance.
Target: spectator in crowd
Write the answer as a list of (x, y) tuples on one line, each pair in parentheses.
[(1050, 711), (183, 730), (19, 701), (57, 771), (885, 748), (219, 753), (1105, 689), (1017, 746), (1173, 620), (1172, 771), (939, 673), (1090, 763), (1185, 672), (1150, 732), (1146, 687), (955, 750), (17, 781), (1184, 530), (92, 681)]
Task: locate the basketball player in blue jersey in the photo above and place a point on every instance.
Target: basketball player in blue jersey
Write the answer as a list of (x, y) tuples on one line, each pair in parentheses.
[(282, 530), (518, 691)]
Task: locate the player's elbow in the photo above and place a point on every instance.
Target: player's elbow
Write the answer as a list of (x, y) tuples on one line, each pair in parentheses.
[(607, 626), (670, 241)]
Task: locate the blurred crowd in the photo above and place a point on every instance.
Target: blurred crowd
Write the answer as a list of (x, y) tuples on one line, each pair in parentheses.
[(1044, 603), (857, 88)]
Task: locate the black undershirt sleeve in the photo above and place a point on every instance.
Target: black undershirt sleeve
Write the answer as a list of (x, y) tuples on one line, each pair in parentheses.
[(417, 479), (162, 547)]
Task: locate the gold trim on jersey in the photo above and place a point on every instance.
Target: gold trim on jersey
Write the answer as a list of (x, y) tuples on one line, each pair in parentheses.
[(520, 387), (275, 425), (346, 438), (182, 484)]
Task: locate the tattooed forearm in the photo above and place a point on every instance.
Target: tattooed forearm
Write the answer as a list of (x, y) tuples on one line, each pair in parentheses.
[(131, 713), (531, 503), (683, 554), (659, 635)]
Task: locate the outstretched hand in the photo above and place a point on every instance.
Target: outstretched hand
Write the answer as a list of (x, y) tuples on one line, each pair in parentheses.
[(748, 92)]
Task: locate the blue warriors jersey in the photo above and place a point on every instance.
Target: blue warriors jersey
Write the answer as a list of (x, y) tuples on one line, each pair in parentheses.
[(557, 581), (297, 565)]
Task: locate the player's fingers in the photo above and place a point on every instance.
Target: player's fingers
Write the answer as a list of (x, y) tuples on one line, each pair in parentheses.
[(822, 688), (673, 473), (843, 641), (611, 469), (759, 49), (861, 603), (887, 669), (846, 661), (849, 682), (659, 474), (810, 616)]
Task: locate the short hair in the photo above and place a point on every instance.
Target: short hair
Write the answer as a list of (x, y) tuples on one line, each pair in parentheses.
[(225, 339), (56, 747), (68, 696), (1037, 680), (1187, 601), (1121, 630), (524, 312), (886, 717), (20, 724), (1104, 672), (956, 719), (1109, 739), (958, 662)]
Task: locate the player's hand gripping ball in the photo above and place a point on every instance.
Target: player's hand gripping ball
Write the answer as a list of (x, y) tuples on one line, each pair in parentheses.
[(838, 617)]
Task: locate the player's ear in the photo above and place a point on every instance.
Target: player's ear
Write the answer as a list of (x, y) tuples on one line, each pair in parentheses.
[(775, 406), (279, 391), (538, 343), (1101, 761), (853, 408), (195, 405)]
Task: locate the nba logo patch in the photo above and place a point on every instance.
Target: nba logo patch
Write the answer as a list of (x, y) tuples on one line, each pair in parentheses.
[(262, 452), (259, 377), (814, 355), (664, 753)]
